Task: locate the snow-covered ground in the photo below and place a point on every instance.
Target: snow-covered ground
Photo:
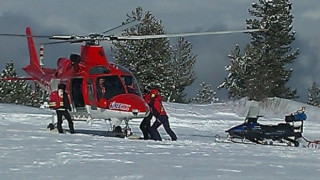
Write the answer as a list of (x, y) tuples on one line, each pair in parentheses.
[(29, 151)]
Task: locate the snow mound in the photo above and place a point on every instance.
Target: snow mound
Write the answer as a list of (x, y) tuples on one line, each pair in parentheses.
[(275, 108)]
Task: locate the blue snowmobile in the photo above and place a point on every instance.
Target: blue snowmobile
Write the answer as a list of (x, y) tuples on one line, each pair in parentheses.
[(288, 132)]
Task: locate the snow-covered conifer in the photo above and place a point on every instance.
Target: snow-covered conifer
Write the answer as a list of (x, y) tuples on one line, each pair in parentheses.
[(182, 63), (14, 91), (266, 58), (314, 95), (40, 96), (273, 50), (148, 59), (205, 95), (7, 86), (234, 83)]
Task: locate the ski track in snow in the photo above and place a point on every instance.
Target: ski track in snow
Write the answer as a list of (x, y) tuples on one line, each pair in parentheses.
[(29, 151)]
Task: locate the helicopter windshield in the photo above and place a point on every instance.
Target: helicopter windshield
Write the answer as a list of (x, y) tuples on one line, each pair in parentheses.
[(108, 87), (131, 85)]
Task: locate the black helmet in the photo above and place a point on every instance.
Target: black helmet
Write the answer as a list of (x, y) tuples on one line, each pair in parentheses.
[(62, 86)]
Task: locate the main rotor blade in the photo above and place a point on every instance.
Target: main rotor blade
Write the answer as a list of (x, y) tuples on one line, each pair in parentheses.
[(120, 28), (62, 37), (22, 35), (67, 41), (184, 34), (57, 42)]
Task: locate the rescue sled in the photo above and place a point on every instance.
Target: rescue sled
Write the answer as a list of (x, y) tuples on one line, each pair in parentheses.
[(288, 132)]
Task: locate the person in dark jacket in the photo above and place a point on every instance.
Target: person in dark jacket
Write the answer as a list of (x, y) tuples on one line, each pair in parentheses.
[(146, 122), (62, 105), (101, 89), (161, 117)]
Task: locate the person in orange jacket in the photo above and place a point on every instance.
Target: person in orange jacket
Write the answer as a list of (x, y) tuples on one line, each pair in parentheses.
[(59, 101), (146, 122), (161, 117)]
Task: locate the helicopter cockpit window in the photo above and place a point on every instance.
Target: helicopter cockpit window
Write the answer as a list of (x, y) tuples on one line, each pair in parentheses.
[(131, 85), (108, 87), (99, 70)]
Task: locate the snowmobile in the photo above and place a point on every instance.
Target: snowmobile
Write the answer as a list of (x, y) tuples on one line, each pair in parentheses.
[(287, 133)]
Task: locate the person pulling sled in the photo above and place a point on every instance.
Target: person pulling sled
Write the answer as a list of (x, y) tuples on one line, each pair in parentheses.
[(161, 117), (145, 124)]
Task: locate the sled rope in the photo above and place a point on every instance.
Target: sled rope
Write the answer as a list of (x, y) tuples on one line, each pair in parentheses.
[(313, 144)]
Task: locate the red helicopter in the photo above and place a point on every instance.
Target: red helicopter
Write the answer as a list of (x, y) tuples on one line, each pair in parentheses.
[(119, 99), (98, 89)]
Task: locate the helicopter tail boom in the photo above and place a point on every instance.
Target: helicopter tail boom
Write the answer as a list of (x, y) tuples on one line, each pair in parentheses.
[(34, 61), (40, 75)]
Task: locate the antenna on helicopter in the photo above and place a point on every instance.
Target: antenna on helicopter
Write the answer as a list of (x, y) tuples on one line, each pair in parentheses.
[(41, 55)]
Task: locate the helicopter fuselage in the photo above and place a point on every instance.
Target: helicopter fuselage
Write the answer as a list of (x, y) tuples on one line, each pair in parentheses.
[(83, 75)]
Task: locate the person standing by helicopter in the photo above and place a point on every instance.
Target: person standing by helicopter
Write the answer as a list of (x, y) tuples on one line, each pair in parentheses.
[(146, 122), (59, 101), (161, 117)]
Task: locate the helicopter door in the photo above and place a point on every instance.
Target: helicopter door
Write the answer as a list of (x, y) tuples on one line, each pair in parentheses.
[(90, 94), (77, 95)]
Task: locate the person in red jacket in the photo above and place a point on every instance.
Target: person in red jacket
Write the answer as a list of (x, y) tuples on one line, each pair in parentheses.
[(161, 117), (146, 122), (59, 101)]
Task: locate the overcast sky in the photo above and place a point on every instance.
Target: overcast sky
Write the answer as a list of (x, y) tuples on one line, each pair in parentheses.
[(82, 17)]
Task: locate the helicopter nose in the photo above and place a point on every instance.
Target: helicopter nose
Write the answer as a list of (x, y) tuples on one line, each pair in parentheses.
[(145, 109), (135, 104)]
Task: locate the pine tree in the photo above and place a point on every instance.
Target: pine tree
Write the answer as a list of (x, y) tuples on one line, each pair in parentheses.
[(148, 59), (7, 86), (182, 63), (314, 95), (256, 79), (266, 57), (14, 91), (205, 95), (234, 83), (39, 96), (23, 93), (272, 51)]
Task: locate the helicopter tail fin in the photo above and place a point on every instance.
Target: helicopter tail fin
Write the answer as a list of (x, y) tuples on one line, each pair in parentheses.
[(34, 61)]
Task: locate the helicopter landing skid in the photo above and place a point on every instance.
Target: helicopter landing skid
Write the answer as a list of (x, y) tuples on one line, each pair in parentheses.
[(119, 132)]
